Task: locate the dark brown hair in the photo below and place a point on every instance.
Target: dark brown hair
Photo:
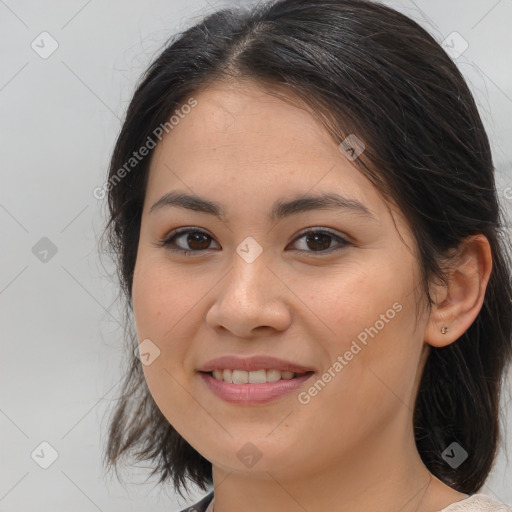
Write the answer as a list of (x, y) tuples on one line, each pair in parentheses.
[(367, 70)]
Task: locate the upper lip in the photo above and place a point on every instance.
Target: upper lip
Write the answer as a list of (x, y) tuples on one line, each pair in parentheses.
[(257, 362)]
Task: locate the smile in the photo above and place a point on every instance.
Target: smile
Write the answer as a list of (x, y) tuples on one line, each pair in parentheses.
[(253, 377), (247, 392)]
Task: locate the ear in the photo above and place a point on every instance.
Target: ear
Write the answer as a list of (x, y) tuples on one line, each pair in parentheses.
[(458, 302)]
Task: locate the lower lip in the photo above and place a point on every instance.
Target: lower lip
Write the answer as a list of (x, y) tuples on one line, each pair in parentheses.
[(253, 393)]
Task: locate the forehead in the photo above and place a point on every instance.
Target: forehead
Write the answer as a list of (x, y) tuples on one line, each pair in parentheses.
[(240, 140), (231, 115)]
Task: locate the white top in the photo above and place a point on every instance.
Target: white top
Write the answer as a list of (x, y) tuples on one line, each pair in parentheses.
[(477, 503), (474, 503)]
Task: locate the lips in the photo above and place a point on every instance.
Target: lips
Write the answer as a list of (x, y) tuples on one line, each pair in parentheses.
[(253, 394), (257, 362)]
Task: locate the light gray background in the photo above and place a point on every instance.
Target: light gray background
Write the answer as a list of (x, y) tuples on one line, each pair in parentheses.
[(61, 337)]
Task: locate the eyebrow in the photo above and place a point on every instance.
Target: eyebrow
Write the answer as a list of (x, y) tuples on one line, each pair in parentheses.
[(280, 209)]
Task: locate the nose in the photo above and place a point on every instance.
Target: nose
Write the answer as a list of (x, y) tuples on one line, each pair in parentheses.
[(250, 300)]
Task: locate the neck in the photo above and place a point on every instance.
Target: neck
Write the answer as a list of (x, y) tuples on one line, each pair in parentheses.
[(376, 476)]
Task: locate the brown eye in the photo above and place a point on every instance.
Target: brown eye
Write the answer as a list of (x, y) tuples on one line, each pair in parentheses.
[(187, 241), (320, 241), (198, 240)]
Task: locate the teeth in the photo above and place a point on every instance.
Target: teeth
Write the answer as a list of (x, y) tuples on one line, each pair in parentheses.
[(254, 377)]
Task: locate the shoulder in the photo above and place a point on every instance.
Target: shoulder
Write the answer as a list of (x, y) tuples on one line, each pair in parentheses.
[(478, 503), (201, 505)]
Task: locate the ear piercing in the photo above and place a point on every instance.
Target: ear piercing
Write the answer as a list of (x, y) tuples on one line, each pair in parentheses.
[(444, 329)]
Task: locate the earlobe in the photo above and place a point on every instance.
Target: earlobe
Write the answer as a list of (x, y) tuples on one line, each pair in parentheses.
[(458, 302)]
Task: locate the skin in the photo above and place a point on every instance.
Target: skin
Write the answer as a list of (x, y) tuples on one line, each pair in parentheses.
[(352, 446)]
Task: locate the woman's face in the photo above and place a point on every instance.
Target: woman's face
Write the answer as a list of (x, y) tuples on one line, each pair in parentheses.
[(327, 285)]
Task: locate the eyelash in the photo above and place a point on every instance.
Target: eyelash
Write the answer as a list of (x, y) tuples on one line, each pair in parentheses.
[(169, 240)]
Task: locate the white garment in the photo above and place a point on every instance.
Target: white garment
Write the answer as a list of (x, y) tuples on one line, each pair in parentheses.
[(477, 503)]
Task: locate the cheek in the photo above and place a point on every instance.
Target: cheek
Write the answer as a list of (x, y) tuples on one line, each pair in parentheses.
[(160, 298), (344, 302), (366, 315), (160, 306), (167, 311)]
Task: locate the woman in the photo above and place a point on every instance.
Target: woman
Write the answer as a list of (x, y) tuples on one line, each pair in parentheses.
[(304, 215)]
